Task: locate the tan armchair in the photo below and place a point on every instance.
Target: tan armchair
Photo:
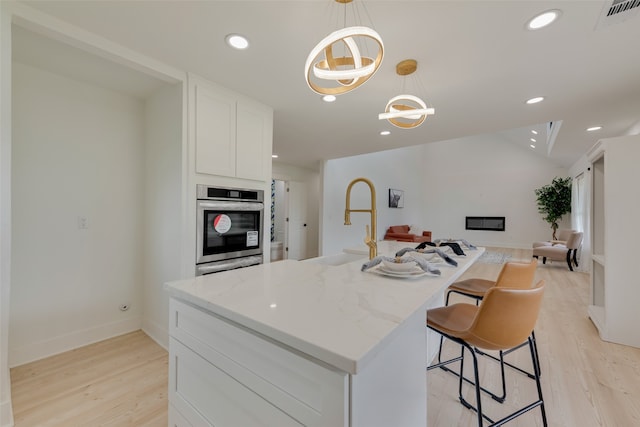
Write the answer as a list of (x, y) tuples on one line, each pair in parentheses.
[(560, 252), (563, 236), (401, 234)]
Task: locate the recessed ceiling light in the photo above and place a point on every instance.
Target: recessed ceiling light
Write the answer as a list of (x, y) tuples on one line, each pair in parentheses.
[(329, 98), (533, 140), (535, 100), (593, 128), (274, 156), (534, 132), (385, 133), (532, 146), (543, 19), (237, 41)]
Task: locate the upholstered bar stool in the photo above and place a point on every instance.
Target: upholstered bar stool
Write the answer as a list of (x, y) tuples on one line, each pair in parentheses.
[(505, 319), (514, 275)]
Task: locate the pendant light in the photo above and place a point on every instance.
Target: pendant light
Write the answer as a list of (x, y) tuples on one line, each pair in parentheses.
[(337, 65), (406, 111)]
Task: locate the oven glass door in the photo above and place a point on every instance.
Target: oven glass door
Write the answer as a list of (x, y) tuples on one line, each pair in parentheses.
[(230, 231)]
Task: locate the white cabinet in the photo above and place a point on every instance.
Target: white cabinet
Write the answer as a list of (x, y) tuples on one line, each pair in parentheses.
[(215, 131), (223, 375), (232, 134), (253, 140), (615, 207)]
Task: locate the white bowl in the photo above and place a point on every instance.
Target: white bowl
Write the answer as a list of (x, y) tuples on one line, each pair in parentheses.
[(399, 266)]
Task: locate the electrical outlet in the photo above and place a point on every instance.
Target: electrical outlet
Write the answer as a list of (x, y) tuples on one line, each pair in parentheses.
[(124, 307)]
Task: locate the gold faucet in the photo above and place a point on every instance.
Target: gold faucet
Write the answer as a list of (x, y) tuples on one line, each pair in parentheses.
[(370, 240)]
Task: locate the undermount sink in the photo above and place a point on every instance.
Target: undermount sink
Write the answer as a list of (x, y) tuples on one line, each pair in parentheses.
[(337, 259)]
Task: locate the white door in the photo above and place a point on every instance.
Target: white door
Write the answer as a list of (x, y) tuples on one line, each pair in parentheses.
[(297, 221)]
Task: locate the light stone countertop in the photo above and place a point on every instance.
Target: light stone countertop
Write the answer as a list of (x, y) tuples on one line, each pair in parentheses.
[(334, 313)]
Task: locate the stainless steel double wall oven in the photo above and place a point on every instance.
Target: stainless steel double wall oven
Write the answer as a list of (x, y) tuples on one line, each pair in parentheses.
[(229, 228)]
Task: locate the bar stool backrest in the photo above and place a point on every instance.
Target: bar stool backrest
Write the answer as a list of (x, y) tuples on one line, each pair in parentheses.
[(505, 318), (517, 274)]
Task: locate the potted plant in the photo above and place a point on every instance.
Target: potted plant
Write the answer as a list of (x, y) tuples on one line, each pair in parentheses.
[(554, 200)]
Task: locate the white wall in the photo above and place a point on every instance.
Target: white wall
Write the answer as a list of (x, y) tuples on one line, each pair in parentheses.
[(486, 176), (77, 152), (634, 129), (398, 169), (311, 181), (162, 206), (579, 166), (443, 182), (6, 415), (10, 11)]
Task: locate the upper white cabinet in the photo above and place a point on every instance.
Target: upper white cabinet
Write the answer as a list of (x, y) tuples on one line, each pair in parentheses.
[(232, 134), (215, 131), (254, 126), (615, 293)]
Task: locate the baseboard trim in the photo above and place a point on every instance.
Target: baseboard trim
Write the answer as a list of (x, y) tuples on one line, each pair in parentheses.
[(502, 245), (157, 332), (6, 415), (50, 347)]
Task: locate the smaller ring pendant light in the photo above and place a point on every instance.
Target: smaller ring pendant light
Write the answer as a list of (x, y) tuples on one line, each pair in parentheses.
[(406, 111)]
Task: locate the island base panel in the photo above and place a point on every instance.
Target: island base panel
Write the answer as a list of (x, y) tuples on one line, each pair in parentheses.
[(391, 390), (224, 375)]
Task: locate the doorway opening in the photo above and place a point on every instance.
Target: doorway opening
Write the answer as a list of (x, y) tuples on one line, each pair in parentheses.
[(278, 220), (289, 223)]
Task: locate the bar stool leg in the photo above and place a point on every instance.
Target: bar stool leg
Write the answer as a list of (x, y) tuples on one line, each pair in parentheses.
[(539, 402), (536, 367), (478, 408), (535, 348), (478, 388), (444, 367)]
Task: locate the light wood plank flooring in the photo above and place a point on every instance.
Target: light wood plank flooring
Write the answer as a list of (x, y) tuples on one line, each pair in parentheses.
[(117, 382), (586, 382)]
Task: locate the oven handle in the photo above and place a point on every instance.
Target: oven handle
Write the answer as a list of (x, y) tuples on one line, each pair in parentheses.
[(218, 266), (231, 206)]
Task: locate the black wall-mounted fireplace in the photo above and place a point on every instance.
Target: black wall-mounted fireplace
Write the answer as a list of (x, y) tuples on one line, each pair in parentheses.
[(491, 223)]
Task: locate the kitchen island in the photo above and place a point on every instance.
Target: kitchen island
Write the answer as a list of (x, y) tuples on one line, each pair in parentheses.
[(314, 343)]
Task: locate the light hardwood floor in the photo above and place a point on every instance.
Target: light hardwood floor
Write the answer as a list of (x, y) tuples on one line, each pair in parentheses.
[(117, 382), (586, 382)]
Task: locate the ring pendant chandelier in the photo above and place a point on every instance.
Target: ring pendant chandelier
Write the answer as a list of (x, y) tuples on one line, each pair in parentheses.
[(329, 74), (406, 111)]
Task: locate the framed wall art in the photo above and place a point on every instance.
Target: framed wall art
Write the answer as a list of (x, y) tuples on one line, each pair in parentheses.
[(396, 198)]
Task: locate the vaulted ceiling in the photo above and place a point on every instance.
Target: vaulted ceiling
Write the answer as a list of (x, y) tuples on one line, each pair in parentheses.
[(476, 60)]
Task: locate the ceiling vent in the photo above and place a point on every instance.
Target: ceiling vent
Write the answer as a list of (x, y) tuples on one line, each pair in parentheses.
[(618, 11), (619, 6)]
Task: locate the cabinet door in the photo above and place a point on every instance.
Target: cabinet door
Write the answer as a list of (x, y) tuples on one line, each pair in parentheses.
[(215, 132), (210, 396), (251, 133)]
